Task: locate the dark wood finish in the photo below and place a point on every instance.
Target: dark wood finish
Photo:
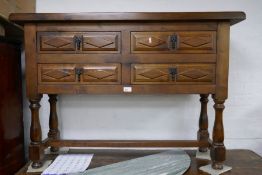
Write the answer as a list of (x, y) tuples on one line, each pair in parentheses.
[(11, 109), (218, 150), (89, 42), (232, 17), (128, 143), (79, 73), (118, 89), (244, 162), (56, 73), (101, 74), (160, 42), (35, 149), (129, 53), (203, 134), (53, 41), (54, 132), (101, 42), (162, 73)]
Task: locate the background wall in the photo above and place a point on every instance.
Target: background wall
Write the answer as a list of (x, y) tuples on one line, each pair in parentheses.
[(168, 116)]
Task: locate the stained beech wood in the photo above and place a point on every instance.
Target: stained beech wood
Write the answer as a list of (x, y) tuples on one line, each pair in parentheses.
[(35, 148), (187, 42), (54, 132), (30, 60), (162, 74), (128, 143), (218, 150), (232, 17), (203, 134), (118, 89), (150, 53)]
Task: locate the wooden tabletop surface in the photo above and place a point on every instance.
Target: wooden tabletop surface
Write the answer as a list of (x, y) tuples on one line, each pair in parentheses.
[(232, 16)]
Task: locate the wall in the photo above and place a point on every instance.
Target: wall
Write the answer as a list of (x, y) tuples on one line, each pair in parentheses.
[(16, 6), (169, 116)]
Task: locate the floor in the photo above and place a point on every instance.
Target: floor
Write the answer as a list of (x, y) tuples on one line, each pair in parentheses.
[(244, 162)]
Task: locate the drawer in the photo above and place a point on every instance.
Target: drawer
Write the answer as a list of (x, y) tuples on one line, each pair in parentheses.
[(79, 73), (172, 73), (79, 42), (173, 42)]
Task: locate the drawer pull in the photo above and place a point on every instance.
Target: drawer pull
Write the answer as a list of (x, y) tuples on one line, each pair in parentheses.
[(173, 41), (78, 40), (79, 72), (173, 72)]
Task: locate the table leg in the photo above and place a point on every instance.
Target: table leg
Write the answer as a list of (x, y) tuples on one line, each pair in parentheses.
[(36, 152), (53, 121), (218, 150), (202, 134)]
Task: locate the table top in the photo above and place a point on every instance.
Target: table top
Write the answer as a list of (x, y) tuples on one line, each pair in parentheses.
[(232, 16)]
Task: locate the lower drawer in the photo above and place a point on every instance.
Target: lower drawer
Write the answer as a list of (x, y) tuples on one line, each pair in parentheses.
[(172, 73), (79, 73)]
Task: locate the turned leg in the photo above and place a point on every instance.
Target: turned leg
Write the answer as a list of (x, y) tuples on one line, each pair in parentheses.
[(218, 151), (53, 121), (202, 134), (35, 149)]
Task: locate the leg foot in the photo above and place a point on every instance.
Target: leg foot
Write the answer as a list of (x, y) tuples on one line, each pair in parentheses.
[(36, 165)]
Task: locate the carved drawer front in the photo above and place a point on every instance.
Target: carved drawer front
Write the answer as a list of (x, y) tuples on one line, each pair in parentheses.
[(102, 73), (204, 73), (101, 42), (173, 42), (56, 41), (151, 73), (48, 73), (172, 73)]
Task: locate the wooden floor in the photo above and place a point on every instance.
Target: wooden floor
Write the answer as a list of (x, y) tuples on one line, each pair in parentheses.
[(244, 162)]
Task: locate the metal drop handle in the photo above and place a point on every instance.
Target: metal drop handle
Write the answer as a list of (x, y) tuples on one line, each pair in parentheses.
[(79, 72), (78, 41), (173, 41), (173, 72)]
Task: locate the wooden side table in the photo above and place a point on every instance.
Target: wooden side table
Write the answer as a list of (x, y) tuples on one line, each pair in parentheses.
[(134, 53)]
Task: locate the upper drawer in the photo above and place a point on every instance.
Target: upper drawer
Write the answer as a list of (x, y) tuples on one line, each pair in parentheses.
[(173, 42), (79, 42)]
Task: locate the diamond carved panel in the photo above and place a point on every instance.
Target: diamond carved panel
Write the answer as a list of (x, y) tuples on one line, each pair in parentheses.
[(153, 73), (51, 41), (56, 74), (196, 41), (195, 74), (98, 41), (58, 42), (100, 74), (151, 41), (104, 73), (201, 73)]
